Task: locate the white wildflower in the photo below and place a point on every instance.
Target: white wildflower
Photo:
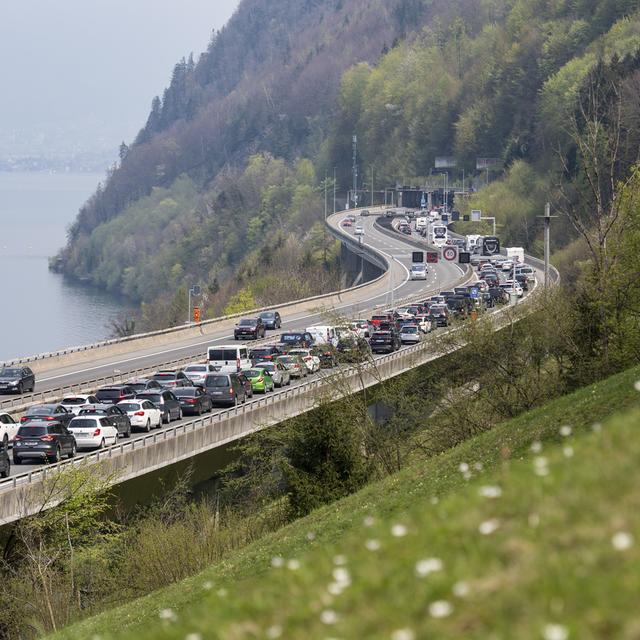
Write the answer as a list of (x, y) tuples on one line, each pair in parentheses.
[(596, 427), (277, 562), (463, 467), (440, 609), (398, 531), (434, 500), (369, 521), (329, 616), (461, 589), (427, 566), (555, 632), (490, 491), (488, 527), (567, 452), (403, 634), (622, 541), (274, 632), (193, 636), (372, 545), (536, 446), (342, 576), (311, 535), (636, 385), (565, 431), (168, 615), (293, 564), (339, 560)]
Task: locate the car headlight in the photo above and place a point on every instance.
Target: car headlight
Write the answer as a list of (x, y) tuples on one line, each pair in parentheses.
[(13, 383)]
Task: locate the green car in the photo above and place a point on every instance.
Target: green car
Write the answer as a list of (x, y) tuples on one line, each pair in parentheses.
[(260, 380)]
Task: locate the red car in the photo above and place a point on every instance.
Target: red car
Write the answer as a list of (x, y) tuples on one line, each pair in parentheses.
[(347, 223), (381, 317)]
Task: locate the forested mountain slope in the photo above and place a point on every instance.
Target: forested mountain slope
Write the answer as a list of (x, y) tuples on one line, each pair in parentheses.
[(225, 177)]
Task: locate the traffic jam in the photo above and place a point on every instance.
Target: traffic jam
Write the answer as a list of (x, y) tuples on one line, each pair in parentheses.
[(233, 374)]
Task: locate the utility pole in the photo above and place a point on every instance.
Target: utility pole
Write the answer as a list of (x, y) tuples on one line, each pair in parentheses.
[(547, 241), (334, 189), (324, 243), (355, 171), (372, 185)]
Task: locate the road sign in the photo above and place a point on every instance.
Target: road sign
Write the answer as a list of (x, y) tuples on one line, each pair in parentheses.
[(423, 202), (455, 216), (432, 257), (490, 246), (450, 253), (417, 257), (474, 292), (196, 314), (476, 215), (464, 257), (465, 217)]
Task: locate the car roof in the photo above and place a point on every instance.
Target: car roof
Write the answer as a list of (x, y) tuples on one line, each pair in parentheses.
[(43, 406)]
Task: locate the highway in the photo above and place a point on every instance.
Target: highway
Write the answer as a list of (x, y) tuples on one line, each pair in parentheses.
[(397, 252), (394, 247)]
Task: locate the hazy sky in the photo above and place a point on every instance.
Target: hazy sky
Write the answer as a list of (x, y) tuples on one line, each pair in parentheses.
[(86, 70)]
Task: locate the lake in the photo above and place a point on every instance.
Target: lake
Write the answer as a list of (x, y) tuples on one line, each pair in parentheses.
[(42, 311)]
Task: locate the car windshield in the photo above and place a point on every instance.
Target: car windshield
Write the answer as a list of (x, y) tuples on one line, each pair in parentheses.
[(82, 423), (261, 352), (108, 393), (196, 368), (268, 314), (130, 406), (74, 400), (254, 373), (11, 372), (268, 366), (217, 381), (185, 392), (247, 322), (154, 397), (39, 411), (410, 330), (138, 386), (31, 432), (164, 376), (417, 267), (379, 318), (287, 359)]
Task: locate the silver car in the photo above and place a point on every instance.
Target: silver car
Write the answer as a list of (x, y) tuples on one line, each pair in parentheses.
[(410, 334), (279, 373), (197, 372)]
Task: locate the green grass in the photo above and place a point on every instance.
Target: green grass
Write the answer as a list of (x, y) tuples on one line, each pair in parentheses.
[(551, 560)]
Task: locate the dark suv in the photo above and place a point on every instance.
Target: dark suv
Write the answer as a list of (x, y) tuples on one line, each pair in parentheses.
[(47, 412), (260, 354), (17, 379), (296, 339), (271, 319), (115, 393), (225, 389), (166, 401), (44, 440), (384, 341), (252, 328)]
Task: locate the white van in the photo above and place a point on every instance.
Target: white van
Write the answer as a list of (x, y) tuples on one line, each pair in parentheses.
[(323, 334), (228, 358), (421, 223)]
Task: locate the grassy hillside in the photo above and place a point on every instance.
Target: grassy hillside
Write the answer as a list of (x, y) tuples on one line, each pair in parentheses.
[(530, 530)]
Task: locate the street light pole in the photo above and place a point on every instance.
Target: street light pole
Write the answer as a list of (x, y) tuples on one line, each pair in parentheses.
[(334, 189), (372, 185)]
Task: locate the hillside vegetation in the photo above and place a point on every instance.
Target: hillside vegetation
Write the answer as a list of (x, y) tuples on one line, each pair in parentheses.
[(219, 169), (530, 530)]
